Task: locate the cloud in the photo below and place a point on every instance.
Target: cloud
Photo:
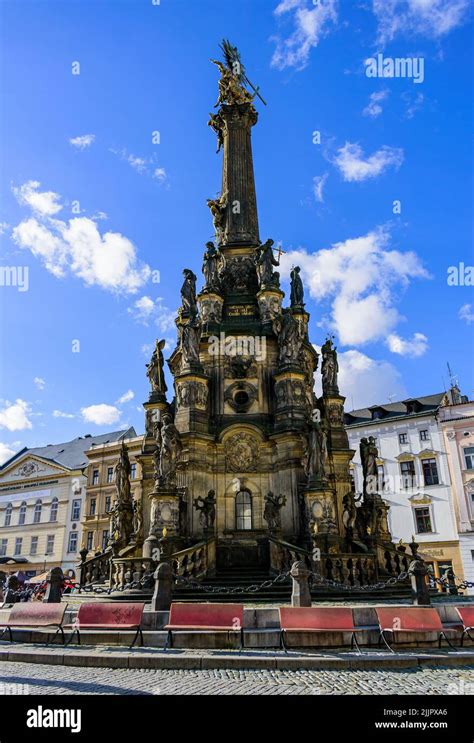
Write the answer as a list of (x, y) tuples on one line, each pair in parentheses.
[(101, 414), (354, 166), (373, 108), (311, 22), (430, 18), (359, 277), (466, 313), (39, 382), (42, 202), (5, 452), (14, 416), (414, 347), (413, 104), (77, 247), (142, 165), (160, 174), (60, 414), (85, 140), (319, 182), (126, 397), (146, 310)]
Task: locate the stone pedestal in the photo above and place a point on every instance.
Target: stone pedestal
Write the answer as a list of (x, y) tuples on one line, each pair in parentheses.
[(321, 512), (291, 402), (210, 307), (300, 594), (164, 513), (192, 391), (269, 304)]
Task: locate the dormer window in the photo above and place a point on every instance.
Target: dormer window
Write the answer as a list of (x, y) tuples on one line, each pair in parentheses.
[(403, 438)]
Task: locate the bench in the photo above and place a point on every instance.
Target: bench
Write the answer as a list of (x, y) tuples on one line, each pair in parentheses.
[(466, 615), (112, 616), (35, 615), (318, 619), (205, 618), (412, 619)]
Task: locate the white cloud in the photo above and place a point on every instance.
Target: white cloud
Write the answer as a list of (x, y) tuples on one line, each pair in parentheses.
[(354, 166), (126, 397), (311, 22), (359, 277), (146, 310), (413, 104), (4, 226), (101, 414), (5, 452), (431, 18), (14, 416), (60, 414), (466, 313), (42, 202), (366, 381), (39, 382), (414, 347), (85, 140), (319, 181), (107, 260), (160, 174), (142, 165), (373, 108)]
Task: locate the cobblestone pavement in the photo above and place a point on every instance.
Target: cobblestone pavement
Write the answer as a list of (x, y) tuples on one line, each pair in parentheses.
[(43, 679)]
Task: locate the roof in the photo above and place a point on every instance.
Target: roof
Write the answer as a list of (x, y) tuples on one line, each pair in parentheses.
[(71, 454), (412, 407)]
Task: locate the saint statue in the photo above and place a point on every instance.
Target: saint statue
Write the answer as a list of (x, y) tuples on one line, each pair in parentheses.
[(218, 207), (121, 514), (316, 453), (212, 267), (154, 370), (207, 509), (368, 458), (216, 122), (329, 368), (297, 290), (190, 340), (265, 260), (272, 510), (170, 449), (289, 338), (188, 293), (230, 89), (137, 517)]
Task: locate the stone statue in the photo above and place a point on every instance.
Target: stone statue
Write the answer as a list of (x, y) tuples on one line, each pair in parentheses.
[(265, 260), (368, 458), (297, 290), (216, 122), (213, 267), (121, 515), (272, 510), (137, 517), (289, 338), (188, 293), (218, 207), (207, 509), (230, 89), (316, 453), (329, 368), (190, 340), (154, 370), (170, 449)]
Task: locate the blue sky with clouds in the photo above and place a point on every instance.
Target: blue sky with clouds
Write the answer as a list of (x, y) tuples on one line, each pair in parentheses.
[(98, 206)]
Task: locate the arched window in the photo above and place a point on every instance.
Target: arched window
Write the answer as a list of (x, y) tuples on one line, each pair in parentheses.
[(53, 514), (8, 514), (22, 514), (243, 510), (37, 513)]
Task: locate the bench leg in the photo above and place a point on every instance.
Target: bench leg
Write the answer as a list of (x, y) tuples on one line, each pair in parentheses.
[(241, 639), (382, 637), (354, 642), (443, 634), (169, 641), (9, 632), (467, 632), (137, 635), (75, 630), (282, 641)]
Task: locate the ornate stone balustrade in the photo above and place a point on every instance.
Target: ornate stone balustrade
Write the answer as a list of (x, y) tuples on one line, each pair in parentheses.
[(196, 561)]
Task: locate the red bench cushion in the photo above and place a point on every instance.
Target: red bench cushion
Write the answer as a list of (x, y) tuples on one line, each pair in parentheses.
[(409, 619), (110, 615), (466, 614), (206, 616), (317, 619), (35, 614)]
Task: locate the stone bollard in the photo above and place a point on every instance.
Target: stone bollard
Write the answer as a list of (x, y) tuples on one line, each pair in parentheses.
[(300, 595), (162, 595), (55, 580), (420, 592)]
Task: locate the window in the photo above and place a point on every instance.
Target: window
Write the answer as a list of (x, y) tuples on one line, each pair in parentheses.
[(110, 474), (3, 547), (22, 514), (37, 513), (8, 515), (353, 483), (50, 544), (407, 470), (53, 514), (72, 545), (76, 510), (430, 471), (92, 506), (18, 545), (469, 457), (423, 520), (105, 539), (133, 470), (424, 436), (243, 510), (90, 539), (95, 477), (472, 551), (380, 477), (107, 503), (34, 546), (403, 438)]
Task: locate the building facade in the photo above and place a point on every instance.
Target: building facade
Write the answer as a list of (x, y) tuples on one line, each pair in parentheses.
[(42, 494), (414, 475)]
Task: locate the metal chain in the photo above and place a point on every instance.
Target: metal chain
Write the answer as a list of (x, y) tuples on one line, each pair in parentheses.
[(444, 583), (369, 587), (254, 588)]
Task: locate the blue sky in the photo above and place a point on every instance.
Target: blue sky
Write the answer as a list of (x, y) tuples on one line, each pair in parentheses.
[(95, 207)]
